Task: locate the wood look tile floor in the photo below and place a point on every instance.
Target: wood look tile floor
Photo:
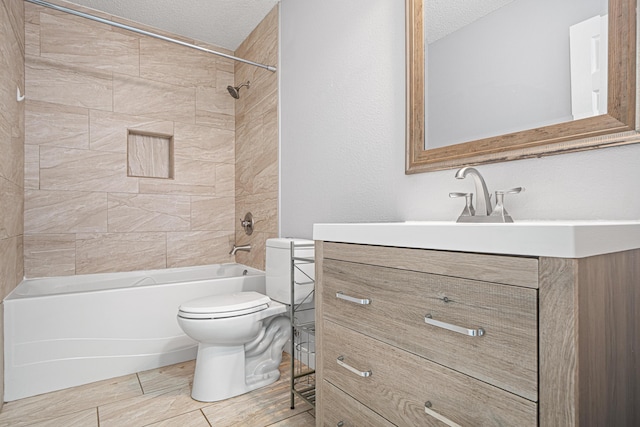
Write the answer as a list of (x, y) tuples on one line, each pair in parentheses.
[(158, 398)]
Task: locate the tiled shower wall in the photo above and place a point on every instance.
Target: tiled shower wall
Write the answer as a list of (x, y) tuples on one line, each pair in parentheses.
[(257, 140), (87, 85), (11, 141), (11, 154)]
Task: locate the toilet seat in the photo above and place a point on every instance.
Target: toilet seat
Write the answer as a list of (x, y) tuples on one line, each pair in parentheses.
[(224, 306)]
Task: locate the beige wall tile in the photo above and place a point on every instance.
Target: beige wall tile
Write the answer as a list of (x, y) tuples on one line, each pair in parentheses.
[(11, 154), (204, 143), (177, 65), (11, 204), (213, 213), (258, 241), (224, 65), (60, 83), (214, 106), (257, 168), (65, 212), (141, 97), (109, 130), (148, 212), (75, 40), (168, 186), (220, 121), (31, 166), (84, 170), (8, 104), (49, 255), (256, 176), (215, 102), (225, 180), (32, 29), (265, 210), (194, 172), (11, 264), (15, 15), (12, 34), (109, 252), (226, 77), (56, 125), (198, 248)]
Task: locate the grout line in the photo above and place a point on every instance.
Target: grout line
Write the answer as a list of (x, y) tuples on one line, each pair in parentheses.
[(205, 417), (140, 383)]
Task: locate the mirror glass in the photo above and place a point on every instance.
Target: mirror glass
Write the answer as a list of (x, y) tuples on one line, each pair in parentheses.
[(502, 66), (496, 80)]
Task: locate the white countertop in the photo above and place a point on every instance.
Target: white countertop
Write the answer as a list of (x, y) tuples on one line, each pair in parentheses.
[(562, 239)]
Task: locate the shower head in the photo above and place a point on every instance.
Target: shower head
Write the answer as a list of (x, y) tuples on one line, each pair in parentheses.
[(235, 90)]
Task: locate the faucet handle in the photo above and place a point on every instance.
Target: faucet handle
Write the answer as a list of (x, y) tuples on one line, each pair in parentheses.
[(509, 191), (468, 208), (500, 210)]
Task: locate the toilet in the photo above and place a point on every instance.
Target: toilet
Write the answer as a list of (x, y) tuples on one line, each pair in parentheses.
[(240, 336)]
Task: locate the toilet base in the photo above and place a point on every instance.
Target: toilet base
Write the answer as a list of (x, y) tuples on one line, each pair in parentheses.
[(219, 373), (223, 372)]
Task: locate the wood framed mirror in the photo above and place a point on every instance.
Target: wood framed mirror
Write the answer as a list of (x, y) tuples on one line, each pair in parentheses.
[(616, 127)]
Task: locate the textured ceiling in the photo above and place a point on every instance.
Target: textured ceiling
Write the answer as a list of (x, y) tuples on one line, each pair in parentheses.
[(224, 23), (443, 17)]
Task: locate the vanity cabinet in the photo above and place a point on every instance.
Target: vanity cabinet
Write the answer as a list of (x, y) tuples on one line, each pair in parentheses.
[(424, 337)]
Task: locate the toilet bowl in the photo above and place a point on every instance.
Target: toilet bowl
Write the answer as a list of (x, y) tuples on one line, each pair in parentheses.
[(240, 340), (241, 335)]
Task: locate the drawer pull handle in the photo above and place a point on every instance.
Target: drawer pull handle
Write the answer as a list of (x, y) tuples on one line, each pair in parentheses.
[(361, 301), (364, 374), (448, 326), (434, 414)]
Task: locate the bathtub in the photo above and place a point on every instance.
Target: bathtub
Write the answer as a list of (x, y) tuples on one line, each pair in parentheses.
[(66, 331)]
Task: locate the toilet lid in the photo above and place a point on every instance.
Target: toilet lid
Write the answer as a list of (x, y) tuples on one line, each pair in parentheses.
[(226, 305)]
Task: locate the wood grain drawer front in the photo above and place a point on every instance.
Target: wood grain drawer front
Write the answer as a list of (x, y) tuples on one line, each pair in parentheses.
[(339, 407), (401, 384), (505, 356), (510, 270)]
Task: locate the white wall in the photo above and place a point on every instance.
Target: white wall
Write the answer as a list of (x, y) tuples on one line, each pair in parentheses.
[(342, 94)]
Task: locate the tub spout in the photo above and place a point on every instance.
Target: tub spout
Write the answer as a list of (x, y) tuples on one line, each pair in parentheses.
[(240, 248)]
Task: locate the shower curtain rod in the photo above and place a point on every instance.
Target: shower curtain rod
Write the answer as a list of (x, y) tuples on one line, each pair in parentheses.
[(147, 33)]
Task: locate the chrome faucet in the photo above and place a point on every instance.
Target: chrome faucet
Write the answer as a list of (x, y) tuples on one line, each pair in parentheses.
[(485, 211), (240, 248), (483, 198)]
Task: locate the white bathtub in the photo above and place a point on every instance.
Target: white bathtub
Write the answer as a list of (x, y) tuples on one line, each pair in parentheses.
[(66, 331)]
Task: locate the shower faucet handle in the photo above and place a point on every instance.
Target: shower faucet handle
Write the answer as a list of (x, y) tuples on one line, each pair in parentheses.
[(247, 223)]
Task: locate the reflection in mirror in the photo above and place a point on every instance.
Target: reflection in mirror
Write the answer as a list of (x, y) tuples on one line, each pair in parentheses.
[(503, 66), (509, 79)]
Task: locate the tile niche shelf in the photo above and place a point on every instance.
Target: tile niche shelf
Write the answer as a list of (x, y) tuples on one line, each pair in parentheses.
[(149, 155)]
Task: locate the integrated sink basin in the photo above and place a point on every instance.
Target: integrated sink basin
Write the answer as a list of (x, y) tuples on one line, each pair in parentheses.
[(563, 239)]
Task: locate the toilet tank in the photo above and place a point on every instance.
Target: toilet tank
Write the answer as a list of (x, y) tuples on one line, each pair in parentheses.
[(278, 270)]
